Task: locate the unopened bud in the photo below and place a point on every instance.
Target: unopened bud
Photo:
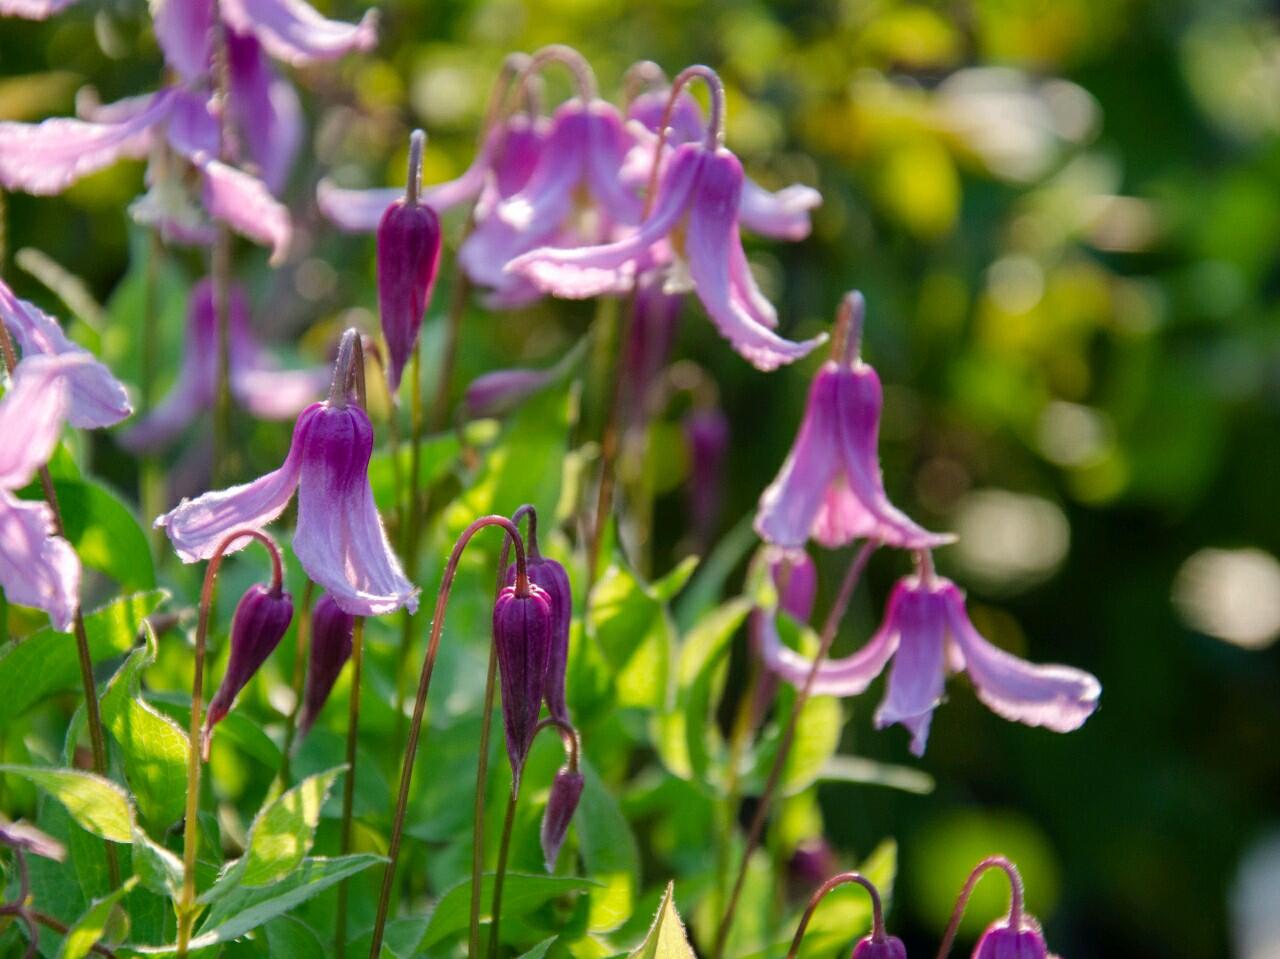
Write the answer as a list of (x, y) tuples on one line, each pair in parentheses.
[(332, 629), (522, 634), (566, 790)]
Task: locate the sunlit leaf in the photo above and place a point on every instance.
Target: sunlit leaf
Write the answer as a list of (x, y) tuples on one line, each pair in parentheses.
[(667, 938), (82, 937), (97, 804)]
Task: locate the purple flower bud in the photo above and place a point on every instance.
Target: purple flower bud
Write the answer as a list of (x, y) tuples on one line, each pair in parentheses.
[(331, 636), (888, 947), (566, 790), (707, 434), (811, 863), (408, 256), (551, 578), (522, 631), (260, 621), (1002, 941), (502, 391)]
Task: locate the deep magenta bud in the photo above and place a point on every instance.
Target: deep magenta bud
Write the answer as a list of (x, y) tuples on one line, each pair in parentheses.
[(522, 633), (332, 630), (260, 622), (1002, 941), (811, 863), (888, 947), (566, 790), (408, 258), (552, 579)]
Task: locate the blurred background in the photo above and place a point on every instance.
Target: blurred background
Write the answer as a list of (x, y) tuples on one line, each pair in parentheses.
[(1066, 218)]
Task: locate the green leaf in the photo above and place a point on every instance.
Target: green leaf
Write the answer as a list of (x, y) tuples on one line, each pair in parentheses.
[(105, 533), (522, 893), (92, 925), (246, 908), (97, 804), (47, 662), (609, 852), (157, 868), (857, 769), (666, 938), (437, 456), (634, 633), (154, 746), (290, 937), (540, 950), (280, 837)]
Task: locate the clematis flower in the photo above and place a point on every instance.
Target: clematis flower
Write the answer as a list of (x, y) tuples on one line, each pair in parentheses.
[(256, 384), (781, 215), (37, 568), (694, 218), (927, 633), (339, 539), (830, 486), (523, 634), (793, 575), (550, 576), (97, 398)]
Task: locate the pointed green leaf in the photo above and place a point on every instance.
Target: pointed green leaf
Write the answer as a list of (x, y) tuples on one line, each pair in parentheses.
[(667, 938), (157, 868), (522, 894), (97, 804), (92, 925)]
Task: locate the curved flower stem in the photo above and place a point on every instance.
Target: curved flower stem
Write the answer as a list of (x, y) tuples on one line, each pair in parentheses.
[(1015, 898), (756, 830), (641, 74), (486, 728), (420, 703), (185, 906), (877, 910), (573, 747), (93, 713), (584, 77), (349, 784), (303, 641)]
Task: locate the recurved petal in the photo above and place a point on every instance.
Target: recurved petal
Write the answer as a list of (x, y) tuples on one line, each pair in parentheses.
[(1060, 698), (266, 110), (847, 676), (45, 158), (245, 204), (339, 539), (196, 527), (183, 29), (916, 681), (37, 568), (711, 237), (278, 394), (295, 33), (783, 215), (354, 211), (608, 145), (790, 504), (31, 415)]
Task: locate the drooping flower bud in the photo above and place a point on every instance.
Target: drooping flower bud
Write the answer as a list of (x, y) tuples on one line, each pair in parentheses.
[(408, 257), (260, 622), (331, 637), (885, 947), (566, 790), (551, 578), (522, 632), (1003, 941)]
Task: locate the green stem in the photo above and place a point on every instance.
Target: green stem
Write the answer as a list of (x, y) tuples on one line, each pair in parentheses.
[(477, 834), (303, 641), (349, 785), (756, 830), (508, 824)]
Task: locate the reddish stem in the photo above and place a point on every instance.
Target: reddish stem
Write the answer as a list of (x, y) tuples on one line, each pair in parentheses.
[(1015, 898), (877, 910)]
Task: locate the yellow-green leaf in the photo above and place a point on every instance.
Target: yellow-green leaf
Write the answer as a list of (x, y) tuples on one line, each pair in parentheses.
[(97, 804), (90, 927), (666, 938)]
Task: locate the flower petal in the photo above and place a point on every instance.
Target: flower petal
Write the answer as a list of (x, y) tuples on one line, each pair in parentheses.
[(747, 292), (278, 394), (37, 568), (33, 9), (847, 676), (45, 158), (295, 32), (1060, 698), (339, 539), (354, 211), (196, 527), (32, 414), (607, 151), (244, 204), (183, 29), (916, 681), (97, 398), (266, 108), (790, 503), (712, 234), (783, 215)]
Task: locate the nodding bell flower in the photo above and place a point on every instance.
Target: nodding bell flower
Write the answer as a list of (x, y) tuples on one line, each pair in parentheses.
[(927, 633), (781, 215), (691, 226), (261, 619), (566, 790), (830, 486), (888, 947), (523, 632), (97, 398), (339, 539), (37, 567), (256, 383), (408, 257), (550, 577), (332, 633), (876, 945)]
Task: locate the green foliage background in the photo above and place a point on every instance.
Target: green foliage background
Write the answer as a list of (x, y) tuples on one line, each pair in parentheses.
[(1095, 327)]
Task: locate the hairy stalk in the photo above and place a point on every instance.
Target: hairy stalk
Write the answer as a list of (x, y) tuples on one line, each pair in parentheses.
[(185, 907), (756, 830), (486, 729), (93, 713), (303, 643), (420, 704), (1015, 898), (877, 910), (349, 784)]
